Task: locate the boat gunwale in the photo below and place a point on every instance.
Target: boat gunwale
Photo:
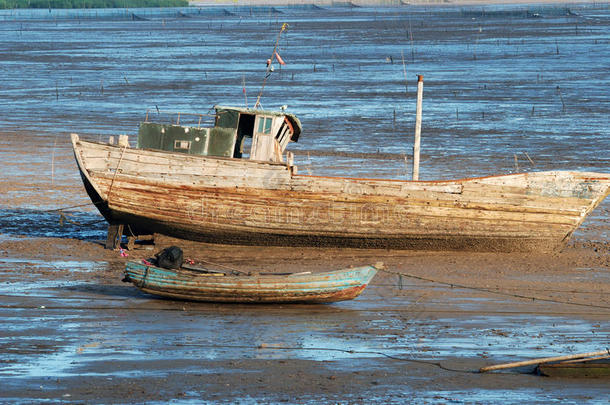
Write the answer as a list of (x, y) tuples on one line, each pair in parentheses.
[(598, 176), (294, 277), (463, 179)]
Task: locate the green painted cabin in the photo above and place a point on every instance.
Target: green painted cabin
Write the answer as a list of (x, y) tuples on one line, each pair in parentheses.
[(237, 133)]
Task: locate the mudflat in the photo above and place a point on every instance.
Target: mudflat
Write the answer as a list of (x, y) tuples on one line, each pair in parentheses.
[(72, 332)]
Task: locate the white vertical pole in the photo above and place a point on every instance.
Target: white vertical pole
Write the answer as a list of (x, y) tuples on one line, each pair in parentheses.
[(420, 94)]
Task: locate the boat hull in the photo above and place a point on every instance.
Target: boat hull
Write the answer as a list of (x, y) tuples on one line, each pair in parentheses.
[(589, 369), (192, 285), (240, 201)]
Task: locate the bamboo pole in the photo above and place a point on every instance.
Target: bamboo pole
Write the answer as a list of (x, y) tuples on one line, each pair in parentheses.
[(416, 144), (542, 360)]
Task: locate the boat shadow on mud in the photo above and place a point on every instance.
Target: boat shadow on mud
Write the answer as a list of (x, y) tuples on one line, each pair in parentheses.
[(105, 291), (130, 298)]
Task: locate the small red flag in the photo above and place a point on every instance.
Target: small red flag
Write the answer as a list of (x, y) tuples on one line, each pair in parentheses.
[(279, 59)]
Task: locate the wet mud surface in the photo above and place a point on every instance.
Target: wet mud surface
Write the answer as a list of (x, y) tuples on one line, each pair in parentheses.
[(73, 333)]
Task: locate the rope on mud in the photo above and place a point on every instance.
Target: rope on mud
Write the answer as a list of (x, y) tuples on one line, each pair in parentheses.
[(74, 206), (63, 217), (331, 349), (547, 290), (488, 290)]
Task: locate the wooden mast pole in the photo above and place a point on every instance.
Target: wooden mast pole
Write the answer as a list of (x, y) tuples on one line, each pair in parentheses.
[(268, 72), (416, 144)]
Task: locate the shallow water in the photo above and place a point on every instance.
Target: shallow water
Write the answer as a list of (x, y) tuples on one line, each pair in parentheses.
[(497, 82)]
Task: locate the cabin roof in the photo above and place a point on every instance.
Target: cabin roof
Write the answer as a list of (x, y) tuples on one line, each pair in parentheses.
[(296, 123)]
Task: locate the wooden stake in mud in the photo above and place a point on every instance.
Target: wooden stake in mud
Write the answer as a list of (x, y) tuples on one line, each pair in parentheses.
[(53, 162), (563, 105), (269, 65), (404, 69), (420, 95), (113, 239)]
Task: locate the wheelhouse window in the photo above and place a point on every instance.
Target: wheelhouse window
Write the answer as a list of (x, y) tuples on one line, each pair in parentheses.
[(264, 125)]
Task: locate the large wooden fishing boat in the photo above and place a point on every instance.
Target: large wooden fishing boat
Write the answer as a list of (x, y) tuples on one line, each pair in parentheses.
[(199, 183)]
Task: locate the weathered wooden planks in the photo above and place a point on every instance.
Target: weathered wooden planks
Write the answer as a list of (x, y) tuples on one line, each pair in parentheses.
[(251, 212), (187, 284), (245, 201)]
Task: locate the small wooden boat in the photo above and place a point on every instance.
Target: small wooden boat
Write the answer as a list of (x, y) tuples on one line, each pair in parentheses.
[(582, 369), (197, 284), (197, 183)]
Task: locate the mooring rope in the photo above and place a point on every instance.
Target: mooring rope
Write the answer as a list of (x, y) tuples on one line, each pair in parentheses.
[(487, 290), (332, 349), (63, 217), (74, 206)]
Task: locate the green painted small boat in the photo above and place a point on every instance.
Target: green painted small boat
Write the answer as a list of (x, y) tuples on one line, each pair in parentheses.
[(199, 284)]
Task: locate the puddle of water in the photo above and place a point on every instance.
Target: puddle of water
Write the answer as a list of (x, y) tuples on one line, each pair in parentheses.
[(69, 265), (25, 276)]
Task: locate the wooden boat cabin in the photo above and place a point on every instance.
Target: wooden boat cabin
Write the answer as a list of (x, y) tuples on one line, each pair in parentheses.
[(238, 132)]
